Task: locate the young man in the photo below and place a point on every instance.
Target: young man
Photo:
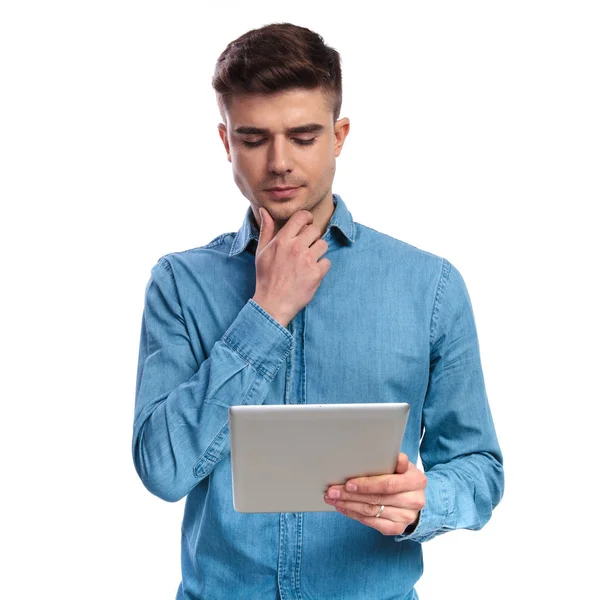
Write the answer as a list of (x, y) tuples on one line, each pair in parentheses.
[(304, 305)]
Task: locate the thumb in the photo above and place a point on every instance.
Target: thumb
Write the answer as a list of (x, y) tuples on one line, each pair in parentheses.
[(267, 227), (402, 463)]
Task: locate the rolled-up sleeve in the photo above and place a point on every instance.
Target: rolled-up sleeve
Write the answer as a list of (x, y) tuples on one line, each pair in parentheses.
[(459, 448), (181, 418)]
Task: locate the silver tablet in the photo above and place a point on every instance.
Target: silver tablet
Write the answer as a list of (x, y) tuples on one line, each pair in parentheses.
[(284, 457)]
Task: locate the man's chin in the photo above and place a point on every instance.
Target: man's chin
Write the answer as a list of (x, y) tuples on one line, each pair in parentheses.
[(284, 208)]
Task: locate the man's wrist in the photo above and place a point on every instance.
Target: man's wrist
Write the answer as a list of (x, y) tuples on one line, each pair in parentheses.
[(281, 319)]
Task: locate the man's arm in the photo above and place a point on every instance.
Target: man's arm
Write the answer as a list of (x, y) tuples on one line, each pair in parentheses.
[(181, 424), (181, 421), (459, 449)]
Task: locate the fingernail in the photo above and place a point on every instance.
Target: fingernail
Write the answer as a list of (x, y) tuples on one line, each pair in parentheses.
[(351, 487), (333, 494)]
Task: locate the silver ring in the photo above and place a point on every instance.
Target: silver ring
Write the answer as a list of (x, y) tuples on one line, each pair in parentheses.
[(379, 511)]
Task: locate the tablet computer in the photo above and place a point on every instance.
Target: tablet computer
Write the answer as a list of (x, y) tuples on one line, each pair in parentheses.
[(284, 457)]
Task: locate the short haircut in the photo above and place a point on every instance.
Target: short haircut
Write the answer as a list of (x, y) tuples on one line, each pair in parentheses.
[(276, 58)]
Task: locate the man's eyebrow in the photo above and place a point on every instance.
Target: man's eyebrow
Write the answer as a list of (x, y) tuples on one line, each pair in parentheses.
[(310, 128)]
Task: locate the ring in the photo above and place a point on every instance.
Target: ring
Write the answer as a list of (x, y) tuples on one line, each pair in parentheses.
[(379, 511)]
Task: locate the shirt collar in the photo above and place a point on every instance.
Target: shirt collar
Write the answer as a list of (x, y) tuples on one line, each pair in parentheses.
[(341, 219)]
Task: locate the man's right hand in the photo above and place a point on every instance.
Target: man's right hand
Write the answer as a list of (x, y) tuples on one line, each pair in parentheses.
[(288, 269)]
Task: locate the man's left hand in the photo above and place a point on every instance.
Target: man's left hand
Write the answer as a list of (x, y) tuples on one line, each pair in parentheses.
[(402, 495)]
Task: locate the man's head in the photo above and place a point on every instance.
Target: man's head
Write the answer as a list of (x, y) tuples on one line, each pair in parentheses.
[(279, 91)]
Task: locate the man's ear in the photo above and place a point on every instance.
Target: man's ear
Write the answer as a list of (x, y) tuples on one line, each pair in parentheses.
[(223, 134), (340, 130)]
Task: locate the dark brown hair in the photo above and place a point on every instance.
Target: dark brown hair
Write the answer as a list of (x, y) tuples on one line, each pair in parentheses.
[(278, 57)]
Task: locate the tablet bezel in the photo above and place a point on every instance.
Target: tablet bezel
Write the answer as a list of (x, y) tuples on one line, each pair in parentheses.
[(284, 457)]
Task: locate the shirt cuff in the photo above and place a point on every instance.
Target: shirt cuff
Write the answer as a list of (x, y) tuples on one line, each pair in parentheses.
[(434, 515), (259, 339)]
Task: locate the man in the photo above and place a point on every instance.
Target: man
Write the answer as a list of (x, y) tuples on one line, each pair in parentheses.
[(262, 316)]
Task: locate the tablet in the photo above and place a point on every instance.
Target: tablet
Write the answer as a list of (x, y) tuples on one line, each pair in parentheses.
[(284, 457)]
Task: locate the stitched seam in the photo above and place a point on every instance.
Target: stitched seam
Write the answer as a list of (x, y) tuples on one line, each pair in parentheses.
[(336, 222), (217, 240), (208, 456), (233, 244), (441, 288), (299, 555), (257, 367), (281, 563), (212, 452), (303, 356), (446, 504), (277, 324), (165, 263)]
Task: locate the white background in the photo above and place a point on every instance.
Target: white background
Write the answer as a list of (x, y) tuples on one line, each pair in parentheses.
[(474, 135)]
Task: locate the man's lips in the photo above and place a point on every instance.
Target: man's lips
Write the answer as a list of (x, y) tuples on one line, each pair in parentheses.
[(283, 192)]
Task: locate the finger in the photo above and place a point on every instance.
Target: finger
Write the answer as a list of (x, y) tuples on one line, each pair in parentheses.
[(267, 227), (324, 265), (413, 479), (414, 500), (402, 463), (391, 513), (309, 234), (338, 494), (296, 223), (319, 248), (381, 524)]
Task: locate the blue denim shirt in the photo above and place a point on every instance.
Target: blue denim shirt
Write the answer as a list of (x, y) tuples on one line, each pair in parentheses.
[(388, 323)]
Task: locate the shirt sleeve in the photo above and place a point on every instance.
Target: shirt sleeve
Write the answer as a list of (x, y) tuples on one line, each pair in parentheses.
[(459, 447), (181, 417)]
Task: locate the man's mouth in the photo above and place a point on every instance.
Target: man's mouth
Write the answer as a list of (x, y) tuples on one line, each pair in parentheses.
[(283, 192)]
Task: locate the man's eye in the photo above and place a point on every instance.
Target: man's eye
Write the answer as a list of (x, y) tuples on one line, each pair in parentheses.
[(304, 142), (298, 141)]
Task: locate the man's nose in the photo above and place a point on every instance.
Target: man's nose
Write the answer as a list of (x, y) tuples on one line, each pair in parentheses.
[(280, 156)]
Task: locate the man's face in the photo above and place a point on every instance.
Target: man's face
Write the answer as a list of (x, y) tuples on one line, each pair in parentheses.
[(286, 139)]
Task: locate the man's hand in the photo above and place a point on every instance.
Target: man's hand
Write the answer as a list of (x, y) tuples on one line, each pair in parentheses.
[(288, 269), (402, 494)]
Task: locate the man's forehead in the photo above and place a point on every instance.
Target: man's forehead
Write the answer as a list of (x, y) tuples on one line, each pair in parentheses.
[(294, 111)]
